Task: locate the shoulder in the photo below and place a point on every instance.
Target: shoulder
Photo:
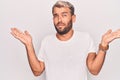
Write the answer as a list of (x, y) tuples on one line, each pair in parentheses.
[(82, 34), (48, 37)]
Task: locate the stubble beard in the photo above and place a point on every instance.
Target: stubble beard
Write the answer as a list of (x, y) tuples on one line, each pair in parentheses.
[(65, 30)]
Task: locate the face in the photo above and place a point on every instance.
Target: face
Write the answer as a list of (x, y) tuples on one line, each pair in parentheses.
[(63, 20)]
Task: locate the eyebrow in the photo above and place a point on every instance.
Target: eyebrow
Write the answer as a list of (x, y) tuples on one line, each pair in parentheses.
[(62, 13)]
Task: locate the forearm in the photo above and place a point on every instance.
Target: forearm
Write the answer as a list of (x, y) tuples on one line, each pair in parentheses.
[(96, 61), (34, 63)]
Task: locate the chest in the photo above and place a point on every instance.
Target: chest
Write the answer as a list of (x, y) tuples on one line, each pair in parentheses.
[(67, 54)]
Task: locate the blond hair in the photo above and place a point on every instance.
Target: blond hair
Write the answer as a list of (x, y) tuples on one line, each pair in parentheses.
[(60, 4)]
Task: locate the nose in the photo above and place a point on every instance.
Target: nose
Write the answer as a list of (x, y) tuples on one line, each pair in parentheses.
[(59, 18)]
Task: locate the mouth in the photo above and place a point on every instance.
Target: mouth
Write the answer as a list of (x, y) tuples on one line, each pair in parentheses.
[(60, 25)]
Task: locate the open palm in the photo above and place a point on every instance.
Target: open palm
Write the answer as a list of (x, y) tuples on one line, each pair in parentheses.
[(24, 37), (109, 36)]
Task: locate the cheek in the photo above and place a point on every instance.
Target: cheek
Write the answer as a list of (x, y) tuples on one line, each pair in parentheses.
[(67, 20), (55, 21)]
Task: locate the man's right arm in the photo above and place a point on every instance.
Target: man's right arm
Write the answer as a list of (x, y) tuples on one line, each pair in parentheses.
[(37, 66)]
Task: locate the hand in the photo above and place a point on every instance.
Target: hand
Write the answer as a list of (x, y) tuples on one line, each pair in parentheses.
[(24, 37), (110, 36)]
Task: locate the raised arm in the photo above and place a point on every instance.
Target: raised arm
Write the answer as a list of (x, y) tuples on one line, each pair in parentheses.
[(95, 61), (37, 66)]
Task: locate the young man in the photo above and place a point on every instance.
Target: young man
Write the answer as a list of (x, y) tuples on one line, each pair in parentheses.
[(68, 54)]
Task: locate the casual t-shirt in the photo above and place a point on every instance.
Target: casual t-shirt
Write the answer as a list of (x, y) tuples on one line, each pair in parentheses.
[(66, 60)]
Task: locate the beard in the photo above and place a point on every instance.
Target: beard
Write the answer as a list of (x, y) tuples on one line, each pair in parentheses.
[(65, 30)]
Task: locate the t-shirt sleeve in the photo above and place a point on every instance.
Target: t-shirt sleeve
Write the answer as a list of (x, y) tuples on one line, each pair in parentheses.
[(92, 47), (41, 51)]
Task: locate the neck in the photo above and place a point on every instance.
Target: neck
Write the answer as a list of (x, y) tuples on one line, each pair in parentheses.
[(66, 36)]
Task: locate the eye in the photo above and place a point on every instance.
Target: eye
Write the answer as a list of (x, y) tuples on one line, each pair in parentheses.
[(55, 15), (64, 15)]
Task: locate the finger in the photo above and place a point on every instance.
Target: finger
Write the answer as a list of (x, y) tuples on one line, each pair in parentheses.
[(27, 33), (12, 30), (109, 31), (14, 35), (15, 30), (117, 33)]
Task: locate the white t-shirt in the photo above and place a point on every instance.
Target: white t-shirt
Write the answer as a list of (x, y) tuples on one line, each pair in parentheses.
[(66, 60)]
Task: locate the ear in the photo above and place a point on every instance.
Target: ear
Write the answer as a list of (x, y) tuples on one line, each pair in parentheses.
[(73, 18)]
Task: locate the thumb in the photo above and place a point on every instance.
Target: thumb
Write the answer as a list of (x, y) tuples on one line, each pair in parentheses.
[(26, 32), (109, 31)]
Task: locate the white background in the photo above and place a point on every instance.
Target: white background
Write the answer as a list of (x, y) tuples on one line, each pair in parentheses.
[(93, 16)]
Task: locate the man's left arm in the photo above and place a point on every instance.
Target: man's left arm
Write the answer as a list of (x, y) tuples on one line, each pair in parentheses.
[(95, 61)]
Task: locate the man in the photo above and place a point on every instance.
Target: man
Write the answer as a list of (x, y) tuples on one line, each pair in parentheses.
[(68, 54)]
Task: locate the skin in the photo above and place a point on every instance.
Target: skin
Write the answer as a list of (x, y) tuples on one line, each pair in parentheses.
[(61, 19)]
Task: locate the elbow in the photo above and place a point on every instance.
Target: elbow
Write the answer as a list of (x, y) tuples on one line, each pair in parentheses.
[(36, 73), (94, 72)]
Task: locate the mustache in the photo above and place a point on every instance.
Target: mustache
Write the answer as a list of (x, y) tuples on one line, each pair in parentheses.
[(60, 24)]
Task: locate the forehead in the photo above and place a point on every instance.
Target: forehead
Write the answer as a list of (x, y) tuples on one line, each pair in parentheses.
[(58, 10)]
